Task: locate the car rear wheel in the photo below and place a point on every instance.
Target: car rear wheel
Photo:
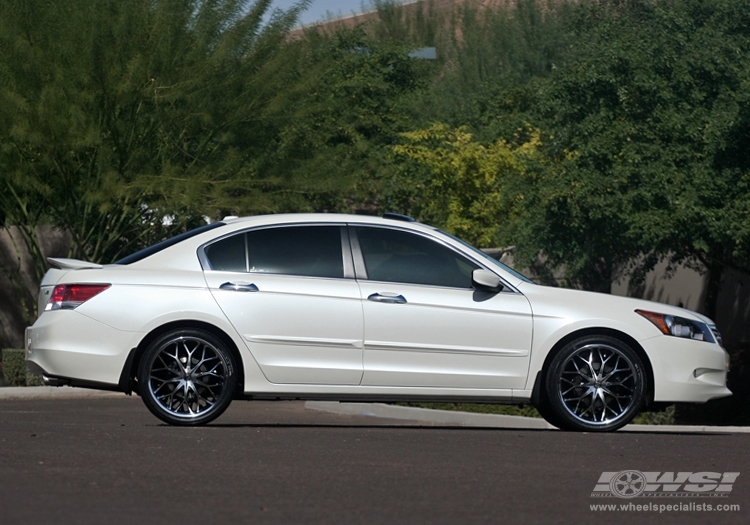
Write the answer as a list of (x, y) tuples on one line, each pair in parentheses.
[(595, 383), (187, 377)]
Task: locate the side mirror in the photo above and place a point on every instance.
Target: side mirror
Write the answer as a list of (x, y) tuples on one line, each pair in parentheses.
[(486, 281)]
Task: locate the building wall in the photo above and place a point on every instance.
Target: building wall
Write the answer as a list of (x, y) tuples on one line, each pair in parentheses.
[(687, 288)]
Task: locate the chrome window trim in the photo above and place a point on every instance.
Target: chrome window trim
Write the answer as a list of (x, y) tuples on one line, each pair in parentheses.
[(348, 266), (361, 270)]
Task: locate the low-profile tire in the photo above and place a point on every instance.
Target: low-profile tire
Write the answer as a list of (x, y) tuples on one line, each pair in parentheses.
[(595, 383), (187, 377)]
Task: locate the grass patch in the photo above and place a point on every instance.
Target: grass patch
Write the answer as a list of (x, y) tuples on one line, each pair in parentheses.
[(480, 408), (663, 417)]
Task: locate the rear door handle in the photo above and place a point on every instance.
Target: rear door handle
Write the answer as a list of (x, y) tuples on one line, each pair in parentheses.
[(239, 287), (387, 298)]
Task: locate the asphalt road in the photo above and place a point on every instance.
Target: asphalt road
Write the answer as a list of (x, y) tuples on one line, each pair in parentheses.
[(109, 461)]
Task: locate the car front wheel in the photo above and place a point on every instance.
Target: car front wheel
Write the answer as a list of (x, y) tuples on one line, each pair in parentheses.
[(187, 377), (595, 383)]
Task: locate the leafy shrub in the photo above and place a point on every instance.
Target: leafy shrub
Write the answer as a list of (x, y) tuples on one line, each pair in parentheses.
[(14, 369)]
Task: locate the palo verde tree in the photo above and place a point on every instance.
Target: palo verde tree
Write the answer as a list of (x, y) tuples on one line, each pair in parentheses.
[(334, 147), (467, 186), (123, 121)]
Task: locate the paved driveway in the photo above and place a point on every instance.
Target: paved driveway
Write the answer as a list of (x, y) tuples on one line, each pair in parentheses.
[(107, 460)]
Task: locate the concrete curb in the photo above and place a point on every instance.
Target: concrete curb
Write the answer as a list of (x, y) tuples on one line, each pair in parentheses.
[(467, 419)]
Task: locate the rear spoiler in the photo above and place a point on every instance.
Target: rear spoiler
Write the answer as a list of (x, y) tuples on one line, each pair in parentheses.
[(72, 264)]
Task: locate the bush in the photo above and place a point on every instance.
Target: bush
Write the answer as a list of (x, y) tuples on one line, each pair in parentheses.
[(14, 369)]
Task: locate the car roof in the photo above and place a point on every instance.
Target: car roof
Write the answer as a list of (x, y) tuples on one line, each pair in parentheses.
[(239, 223), (323, 217)]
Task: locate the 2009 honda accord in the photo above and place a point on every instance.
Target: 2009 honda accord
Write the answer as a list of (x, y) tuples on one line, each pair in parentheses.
[(342, 307)]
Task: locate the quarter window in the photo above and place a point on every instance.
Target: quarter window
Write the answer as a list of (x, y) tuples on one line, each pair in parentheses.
[(312, 251), (402, 257), (228, 255)]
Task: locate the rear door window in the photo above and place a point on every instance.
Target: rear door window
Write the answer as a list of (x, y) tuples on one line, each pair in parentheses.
[(311, 251)]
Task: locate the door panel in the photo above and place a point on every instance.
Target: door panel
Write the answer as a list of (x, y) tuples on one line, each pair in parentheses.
[(425, 324), (299, 329), (444, 337), (289, 293)]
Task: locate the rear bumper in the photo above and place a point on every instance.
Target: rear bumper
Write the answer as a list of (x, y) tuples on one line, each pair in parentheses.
[(69, 348)]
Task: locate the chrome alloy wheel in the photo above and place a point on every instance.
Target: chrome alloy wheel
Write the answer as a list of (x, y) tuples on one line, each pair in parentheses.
[(187, 376), (599, 384)]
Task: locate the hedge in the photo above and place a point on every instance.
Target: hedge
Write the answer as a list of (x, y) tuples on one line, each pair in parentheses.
[(14, 369)]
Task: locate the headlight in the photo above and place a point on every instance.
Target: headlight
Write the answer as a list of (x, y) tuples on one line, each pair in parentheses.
[(679, 326)]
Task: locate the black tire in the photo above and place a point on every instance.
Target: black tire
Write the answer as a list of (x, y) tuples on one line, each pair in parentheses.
[(187, 377), (595, 383), (546, 411)]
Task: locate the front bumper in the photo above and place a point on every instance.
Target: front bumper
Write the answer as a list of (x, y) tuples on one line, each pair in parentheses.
[(686, 370)]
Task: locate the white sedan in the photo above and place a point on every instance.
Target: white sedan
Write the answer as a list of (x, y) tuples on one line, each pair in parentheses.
[(347, 307)]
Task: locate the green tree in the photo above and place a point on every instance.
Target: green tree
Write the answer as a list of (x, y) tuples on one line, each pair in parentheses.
[(123, 121), (334, 148), (651, 124), (490, 54), (467, 187)]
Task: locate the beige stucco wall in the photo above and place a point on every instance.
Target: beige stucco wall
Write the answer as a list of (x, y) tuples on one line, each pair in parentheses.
[(686, 288)]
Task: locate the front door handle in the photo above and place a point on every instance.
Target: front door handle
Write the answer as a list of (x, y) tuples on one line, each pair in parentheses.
[(387, 298), (239, 287)]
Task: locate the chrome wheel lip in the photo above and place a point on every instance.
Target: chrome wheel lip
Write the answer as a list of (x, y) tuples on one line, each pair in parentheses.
[(598, 384), (187, 377)]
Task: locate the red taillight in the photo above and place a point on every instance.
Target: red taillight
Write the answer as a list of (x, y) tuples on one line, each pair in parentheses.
[(69, 296)]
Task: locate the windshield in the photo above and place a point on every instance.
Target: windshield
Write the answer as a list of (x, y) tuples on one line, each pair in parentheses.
[(489, 258)]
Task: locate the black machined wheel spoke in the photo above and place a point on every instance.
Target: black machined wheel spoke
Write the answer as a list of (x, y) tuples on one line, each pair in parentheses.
[(597, 383), (588, 372), (205, 359), (620, 383), (208, 402), (571, 388), (619, 407), (210, 370), (590, 407), (163, 383), (604, 359), (577, 368), (582, 396), (209, 373), (590, 363), (615, 370), (187, 376), (589, 390), (574, 375), (616, 396), (208, 387)]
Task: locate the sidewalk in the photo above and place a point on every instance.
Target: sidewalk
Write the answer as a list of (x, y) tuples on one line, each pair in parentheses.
[(423, 416)]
